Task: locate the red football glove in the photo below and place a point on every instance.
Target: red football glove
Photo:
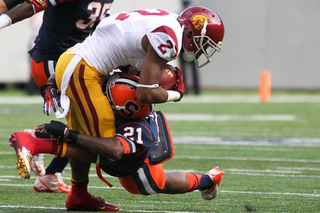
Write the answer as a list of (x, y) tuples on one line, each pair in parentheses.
[(179, 85), (51, 96)]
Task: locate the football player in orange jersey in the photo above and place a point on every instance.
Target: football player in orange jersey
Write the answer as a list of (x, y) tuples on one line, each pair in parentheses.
[(143, 141)]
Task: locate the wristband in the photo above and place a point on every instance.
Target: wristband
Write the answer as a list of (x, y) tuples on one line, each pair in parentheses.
[(5, 21), (173, 95), (73, 135)]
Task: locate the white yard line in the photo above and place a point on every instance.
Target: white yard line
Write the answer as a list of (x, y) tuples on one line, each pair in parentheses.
[(294, 98), (227, 117), (249, 98), (248, 141), (249, 159), (222, 191), (21, 100), (234, 141)]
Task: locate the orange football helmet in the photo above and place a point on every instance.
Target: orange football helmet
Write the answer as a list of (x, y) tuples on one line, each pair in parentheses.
[(202, 34), (121, 93)]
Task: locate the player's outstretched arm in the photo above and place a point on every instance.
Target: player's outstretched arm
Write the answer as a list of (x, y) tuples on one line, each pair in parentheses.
[(109, 148), (6, 5), (21, 12), (16, 14)]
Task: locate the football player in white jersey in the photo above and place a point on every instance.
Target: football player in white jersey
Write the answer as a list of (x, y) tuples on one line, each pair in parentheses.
[(140, 42)]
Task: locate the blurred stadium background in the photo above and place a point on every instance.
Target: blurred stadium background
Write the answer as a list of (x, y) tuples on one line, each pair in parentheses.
[(279, 36)]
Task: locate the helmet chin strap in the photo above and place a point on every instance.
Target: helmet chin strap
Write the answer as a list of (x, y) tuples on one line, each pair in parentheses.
[(204, 28), (203, 34), (120, 107)]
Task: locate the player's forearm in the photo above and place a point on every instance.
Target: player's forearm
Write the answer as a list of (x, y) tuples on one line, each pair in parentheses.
[(105, 147), (6, 5), (20, 12), (16, 14)]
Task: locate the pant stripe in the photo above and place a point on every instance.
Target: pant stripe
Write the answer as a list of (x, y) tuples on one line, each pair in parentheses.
[(92, 109), (145, 182), (48, 67), (80, 105), (51, 66)]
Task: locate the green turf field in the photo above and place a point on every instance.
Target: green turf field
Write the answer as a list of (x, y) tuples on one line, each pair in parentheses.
[(269, 153)]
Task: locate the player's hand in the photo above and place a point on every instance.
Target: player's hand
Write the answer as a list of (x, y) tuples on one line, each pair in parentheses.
[(51, 97), (56, 129), (179, 85)]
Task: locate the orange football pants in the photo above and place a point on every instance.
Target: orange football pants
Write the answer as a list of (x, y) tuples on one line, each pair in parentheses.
[(41, 71), (149, 179)]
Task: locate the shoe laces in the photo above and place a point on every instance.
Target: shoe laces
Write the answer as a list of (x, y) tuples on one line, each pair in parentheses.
[(38, 158), (59, 176), (31, 132)]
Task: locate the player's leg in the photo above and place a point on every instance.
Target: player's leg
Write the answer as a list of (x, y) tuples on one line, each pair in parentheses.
[(147, 180), (208, 184), (151, 179), (47, 182), (91, 114), (41, 71)]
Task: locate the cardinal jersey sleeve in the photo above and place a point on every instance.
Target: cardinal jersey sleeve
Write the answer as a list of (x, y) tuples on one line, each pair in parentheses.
[(164, 41)]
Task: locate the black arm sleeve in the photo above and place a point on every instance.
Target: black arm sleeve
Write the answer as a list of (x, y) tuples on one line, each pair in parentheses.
[(11, 3)]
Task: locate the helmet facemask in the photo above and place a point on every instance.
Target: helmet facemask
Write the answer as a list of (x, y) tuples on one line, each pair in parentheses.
[(121, 93), (110, 82), (203, 32), (206, 47)]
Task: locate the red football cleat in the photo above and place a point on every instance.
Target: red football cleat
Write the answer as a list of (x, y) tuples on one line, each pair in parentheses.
[(216, 175), (102, 205), (23, 145), (90, 203)]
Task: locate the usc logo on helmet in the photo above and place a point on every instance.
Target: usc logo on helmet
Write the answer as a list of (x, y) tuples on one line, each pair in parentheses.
[(198, 20)]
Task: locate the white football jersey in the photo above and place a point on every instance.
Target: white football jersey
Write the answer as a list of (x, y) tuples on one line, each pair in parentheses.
[(117, 39)]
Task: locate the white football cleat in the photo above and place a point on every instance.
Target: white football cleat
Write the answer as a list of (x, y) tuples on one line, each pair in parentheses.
[(37, 164), (51, 183), (216, 175), (23, 164)]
